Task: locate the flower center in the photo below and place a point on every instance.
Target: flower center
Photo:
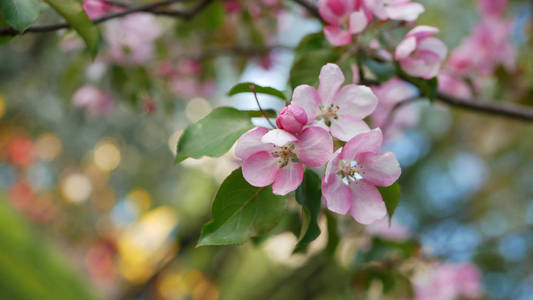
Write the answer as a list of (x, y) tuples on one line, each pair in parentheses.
[(350, 171), (284, 154), (328, 113)]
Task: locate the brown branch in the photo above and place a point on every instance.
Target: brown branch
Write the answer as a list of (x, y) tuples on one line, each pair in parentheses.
[(153, 8), (310, 7)]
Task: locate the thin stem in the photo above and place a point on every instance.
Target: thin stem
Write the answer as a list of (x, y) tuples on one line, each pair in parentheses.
[(252, 87)]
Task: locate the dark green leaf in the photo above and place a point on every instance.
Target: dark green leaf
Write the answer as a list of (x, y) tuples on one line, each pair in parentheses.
[(20, 14), (74, 14), (214, 134), (241, 211), (309, 196), (382, 70), (391, 197), (246, 87), (333, 235)]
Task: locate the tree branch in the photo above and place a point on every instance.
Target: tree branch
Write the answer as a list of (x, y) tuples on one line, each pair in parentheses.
[(310, 7), (153, 8)]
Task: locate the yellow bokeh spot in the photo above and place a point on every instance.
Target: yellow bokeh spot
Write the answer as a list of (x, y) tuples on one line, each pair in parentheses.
[(2, 106), (197, 108), (48, 146), (106, 155), (76, 188), (141, 198)]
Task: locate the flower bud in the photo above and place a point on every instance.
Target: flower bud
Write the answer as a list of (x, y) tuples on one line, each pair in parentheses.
[(292, 118), (95, 8)]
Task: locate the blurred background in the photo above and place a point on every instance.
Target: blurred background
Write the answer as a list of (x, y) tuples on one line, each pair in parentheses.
[(92, 205)]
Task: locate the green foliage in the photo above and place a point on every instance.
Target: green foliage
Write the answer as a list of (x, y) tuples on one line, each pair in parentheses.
[(246, 87), (241, 211), (214, 134), (29, 269), (205, 22), (74, 14), (382, 249), (391, 197), (309, 196), (20, 14), (382, 70), (333, 234), (311, 54)]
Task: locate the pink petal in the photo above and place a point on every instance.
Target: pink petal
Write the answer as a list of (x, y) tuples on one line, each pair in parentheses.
[(332, 11), (337, 36), (250, 143), (307, 98), (434, 45), (356, 100), (380, 169), (405, 48), (358, 22), (346, 127), (260, 169), (333, 165), (278, 137), (364, 142), (405, 12), (337, 195), (423, 64), (367, 206), (422, 32), (314, 146), (288, 178), (331, 79)]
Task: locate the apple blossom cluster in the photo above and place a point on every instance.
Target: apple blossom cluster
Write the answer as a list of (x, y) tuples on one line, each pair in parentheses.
[(308, 129)]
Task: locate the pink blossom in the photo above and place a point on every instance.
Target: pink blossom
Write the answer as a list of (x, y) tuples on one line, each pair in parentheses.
[(96, 8), (269, 157), (292, 118), (131, 39), (344, 18), (403, 10), (453, 85), (419, 54), (338, 109), (447, 281), (390, 94), (96, 101), (393, 231), (492, 8), (352, 174)]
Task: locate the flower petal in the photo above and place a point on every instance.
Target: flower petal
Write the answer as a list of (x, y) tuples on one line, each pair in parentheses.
[(367, 206), (405, 11), (314, 146), (356, 101), (278, 137), (288, 179), (250, 143), (346, 127), (364, 142), (307, 98), (358, 22), (337, 195), (433, 45), (380, 169), (331, 79), (405, 48), (332, 11), (422, 32), (337, 36), (260, 169)]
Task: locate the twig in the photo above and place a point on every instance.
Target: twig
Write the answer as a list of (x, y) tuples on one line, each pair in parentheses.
[(310, 7), (152, 8), (252, 87)]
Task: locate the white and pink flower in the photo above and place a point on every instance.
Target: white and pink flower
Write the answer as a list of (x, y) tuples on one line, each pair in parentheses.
[(292, 118), (339, 109), (96, 8), (419, 54), (277, 157), (402, 10), (344, 18), (352, 174), (94, 100)]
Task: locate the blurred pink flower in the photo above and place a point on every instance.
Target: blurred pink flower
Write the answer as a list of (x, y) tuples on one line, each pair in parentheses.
[(447, 281), (403, 10), (389, 95), (96, 8), (419, 54), (353, 172), (338, 109), (94, 100), (492, 8), (269, 156), (292, 118), (344, 18), (453, 85), (131, 39), (393, 231)]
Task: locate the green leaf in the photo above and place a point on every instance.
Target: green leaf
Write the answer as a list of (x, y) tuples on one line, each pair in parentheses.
[(333, 234), (246, 87), (383, 70), (20, 14), (214, 134), (391, 197), (309, 196), (30, 268), (74, 14), (241, 211)]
